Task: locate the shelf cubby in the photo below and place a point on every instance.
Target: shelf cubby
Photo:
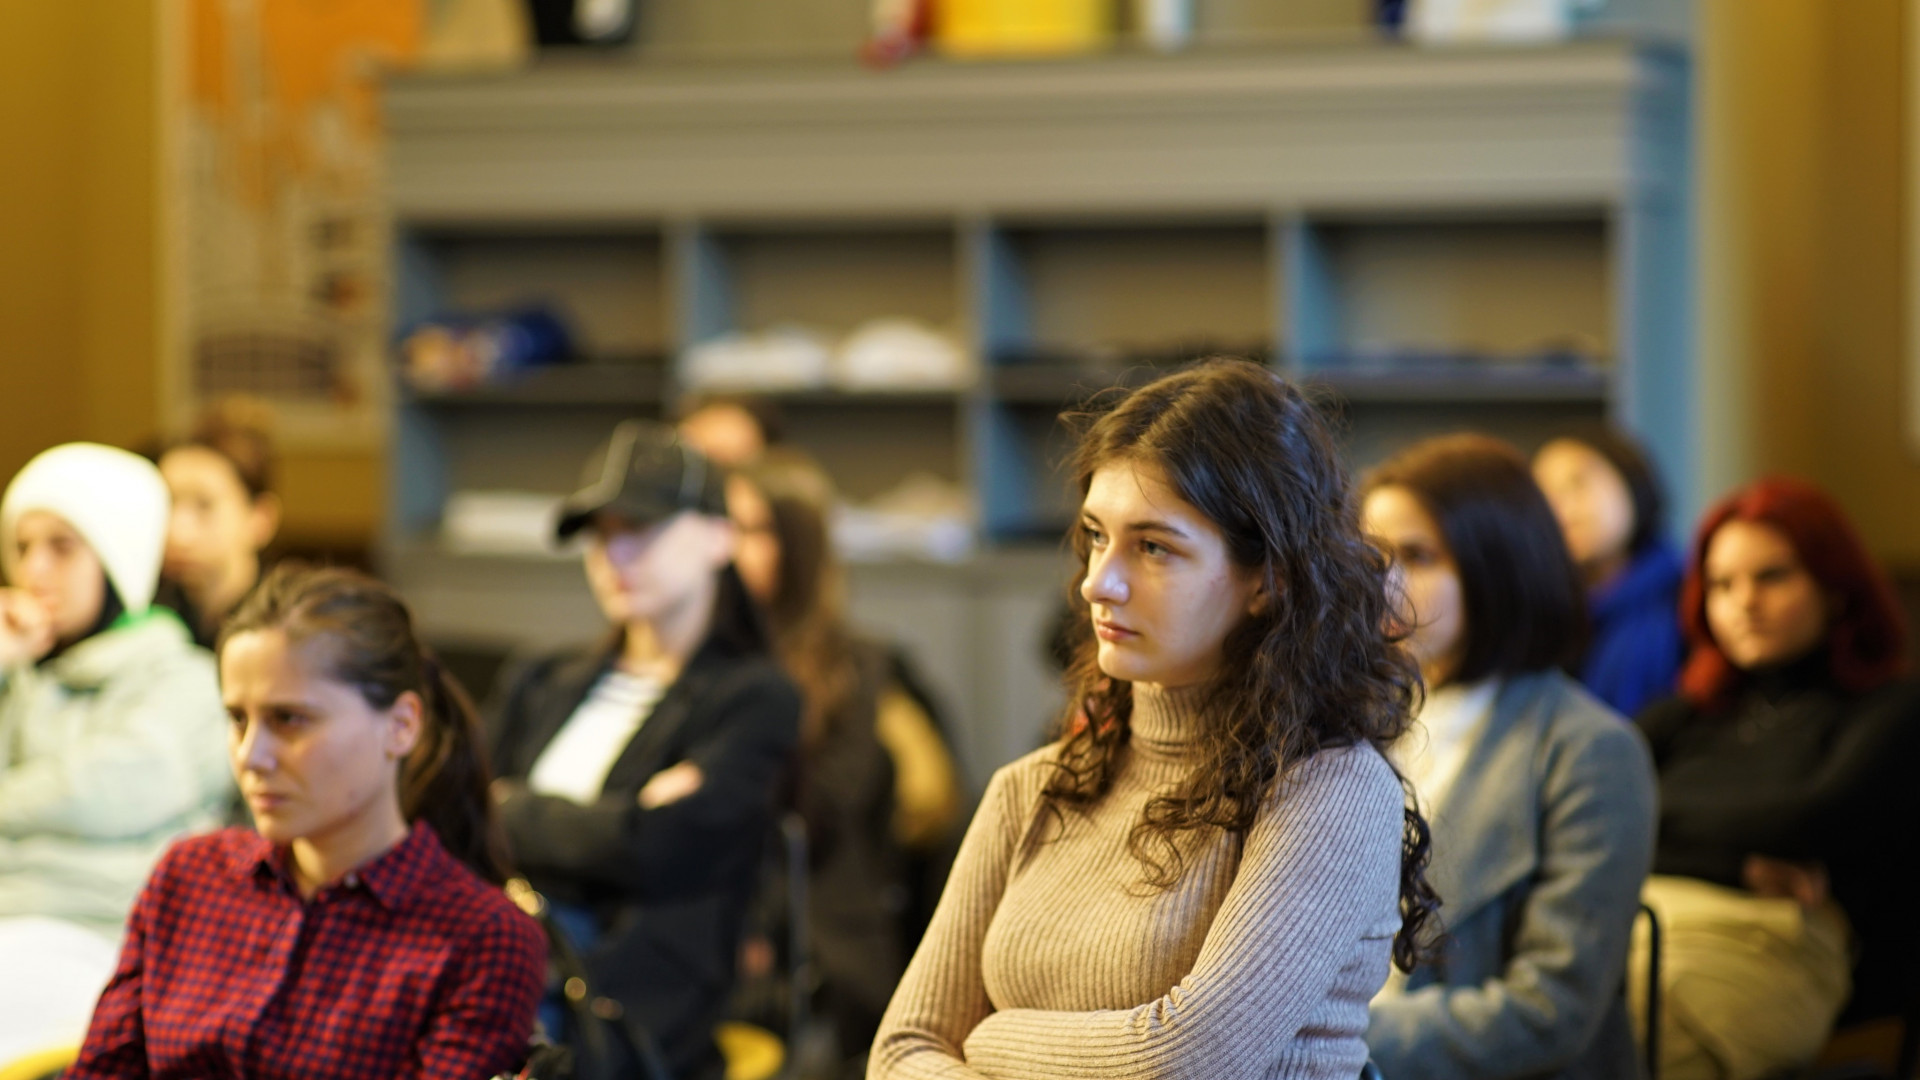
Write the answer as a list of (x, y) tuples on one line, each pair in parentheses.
[(869, 443), (1371, 432), (1068, 309), (636, 383), (1115, 294), (1495, 289), (1026, 449), (606, 282), (826, 277), (528, 430)]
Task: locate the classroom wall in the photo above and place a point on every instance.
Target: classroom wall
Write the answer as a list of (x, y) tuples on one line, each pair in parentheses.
[(1802, 199), (80, 269), (1803, 229), (79, 304)]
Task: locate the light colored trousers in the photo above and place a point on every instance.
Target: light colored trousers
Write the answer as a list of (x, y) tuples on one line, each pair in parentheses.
[(50, 974), (1749, 986)]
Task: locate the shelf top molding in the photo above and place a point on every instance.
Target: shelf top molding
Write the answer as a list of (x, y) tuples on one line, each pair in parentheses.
[(1583, 124)]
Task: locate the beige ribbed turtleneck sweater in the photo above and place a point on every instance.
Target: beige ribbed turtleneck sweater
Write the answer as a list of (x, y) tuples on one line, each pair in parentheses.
[(1048, 956)]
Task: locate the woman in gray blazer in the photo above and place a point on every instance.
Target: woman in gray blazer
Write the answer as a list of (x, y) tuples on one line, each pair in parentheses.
[(1541, 798)]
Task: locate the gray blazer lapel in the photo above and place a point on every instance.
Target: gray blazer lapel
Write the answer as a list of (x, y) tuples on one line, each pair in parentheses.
[(1486, 833)]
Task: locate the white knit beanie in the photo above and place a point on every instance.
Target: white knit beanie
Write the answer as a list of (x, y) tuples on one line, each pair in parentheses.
[(115, 500)]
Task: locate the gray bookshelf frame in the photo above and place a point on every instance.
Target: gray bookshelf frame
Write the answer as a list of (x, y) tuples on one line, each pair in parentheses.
[(1276, 151)]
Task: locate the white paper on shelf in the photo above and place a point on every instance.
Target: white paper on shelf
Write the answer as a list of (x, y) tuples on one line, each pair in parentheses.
[(518, 523)]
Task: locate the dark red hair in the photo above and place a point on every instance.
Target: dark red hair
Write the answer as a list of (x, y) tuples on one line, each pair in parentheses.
[(1867, 643)]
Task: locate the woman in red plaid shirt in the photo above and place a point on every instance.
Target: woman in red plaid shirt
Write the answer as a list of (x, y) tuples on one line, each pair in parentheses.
[(358, 930)]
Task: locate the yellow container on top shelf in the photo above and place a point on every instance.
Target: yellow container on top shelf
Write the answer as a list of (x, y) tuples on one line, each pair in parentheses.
[(1022, 27)]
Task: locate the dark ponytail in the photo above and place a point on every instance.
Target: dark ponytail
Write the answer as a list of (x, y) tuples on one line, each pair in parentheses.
[(443, 781)]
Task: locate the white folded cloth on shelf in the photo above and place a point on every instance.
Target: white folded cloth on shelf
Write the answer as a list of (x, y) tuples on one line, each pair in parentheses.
[(897, 354), (925, 517), (783, 358), (517, 523), (888, 353)]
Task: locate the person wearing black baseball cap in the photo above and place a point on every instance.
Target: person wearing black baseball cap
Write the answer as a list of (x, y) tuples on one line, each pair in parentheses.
[(639, 777)]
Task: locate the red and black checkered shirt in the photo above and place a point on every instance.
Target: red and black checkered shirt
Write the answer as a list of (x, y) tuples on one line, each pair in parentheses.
[(411, 967)]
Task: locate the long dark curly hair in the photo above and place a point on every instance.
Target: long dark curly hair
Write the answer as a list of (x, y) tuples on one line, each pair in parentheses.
[(1317, 669)]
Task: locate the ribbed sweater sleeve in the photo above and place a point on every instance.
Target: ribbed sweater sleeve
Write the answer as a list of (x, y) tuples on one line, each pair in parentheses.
[(943, 994)]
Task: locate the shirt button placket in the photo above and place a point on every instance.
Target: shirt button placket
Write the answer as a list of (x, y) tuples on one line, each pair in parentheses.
[(279, 958), (275, 951)]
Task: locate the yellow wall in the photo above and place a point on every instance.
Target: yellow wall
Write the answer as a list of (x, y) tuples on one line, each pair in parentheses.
[(78, 208), (333, 499), (1803, 288)]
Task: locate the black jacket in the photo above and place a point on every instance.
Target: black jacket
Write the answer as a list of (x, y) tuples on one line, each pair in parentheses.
[(670, 885)]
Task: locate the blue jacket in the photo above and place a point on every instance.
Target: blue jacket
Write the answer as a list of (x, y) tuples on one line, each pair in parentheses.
[(1635, 655)]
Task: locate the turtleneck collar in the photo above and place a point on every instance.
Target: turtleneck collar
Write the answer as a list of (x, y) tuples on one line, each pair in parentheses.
[(1165, 722), (1779, 681)]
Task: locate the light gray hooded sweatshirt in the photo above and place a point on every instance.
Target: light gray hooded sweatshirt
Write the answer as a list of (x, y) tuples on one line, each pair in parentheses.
[(117, 745), (107, 752)]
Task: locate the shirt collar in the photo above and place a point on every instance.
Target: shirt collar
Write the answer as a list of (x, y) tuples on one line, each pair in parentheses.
[(394, 879), (1452, 713)]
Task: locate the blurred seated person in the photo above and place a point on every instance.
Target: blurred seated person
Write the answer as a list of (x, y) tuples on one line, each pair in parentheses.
[(1786, 799), (358, 929), (110, 727), (876, 777), (224, 513), (639, 776), (1611, 511), (730, 429), (1541, 798)]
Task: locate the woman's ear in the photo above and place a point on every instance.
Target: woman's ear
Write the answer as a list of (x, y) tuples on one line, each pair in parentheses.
[(406, 720), (264, 519), (1260, 600)]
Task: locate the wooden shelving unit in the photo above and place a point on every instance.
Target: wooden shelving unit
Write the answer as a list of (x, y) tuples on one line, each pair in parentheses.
[(1495, 238)]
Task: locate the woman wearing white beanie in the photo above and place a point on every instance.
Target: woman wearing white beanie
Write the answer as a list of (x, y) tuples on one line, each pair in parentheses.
[(112, 735)]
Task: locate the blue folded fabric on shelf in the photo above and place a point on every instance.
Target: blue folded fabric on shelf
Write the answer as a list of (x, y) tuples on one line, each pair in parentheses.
[(460, 350)]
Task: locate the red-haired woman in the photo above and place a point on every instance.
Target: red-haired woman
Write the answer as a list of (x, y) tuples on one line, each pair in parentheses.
[(1783, 788)]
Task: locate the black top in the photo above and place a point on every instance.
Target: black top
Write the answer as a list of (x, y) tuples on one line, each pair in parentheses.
[(858, 879), (1798, 769), (669, 886), (205, 628)]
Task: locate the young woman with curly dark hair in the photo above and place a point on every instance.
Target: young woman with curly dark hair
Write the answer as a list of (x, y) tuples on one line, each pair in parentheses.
[(1209, 872)]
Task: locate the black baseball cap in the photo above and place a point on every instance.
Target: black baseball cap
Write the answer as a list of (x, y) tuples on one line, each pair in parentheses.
[(644, 474)]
